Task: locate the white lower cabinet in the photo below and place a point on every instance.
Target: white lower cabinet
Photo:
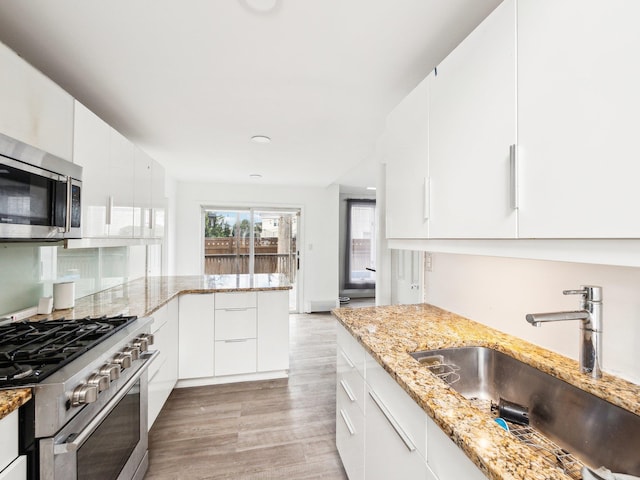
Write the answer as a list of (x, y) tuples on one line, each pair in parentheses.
[(163, 372), (12, 466), (381, 432), (196, 338), (446, 460), (235, 357), (233, 336)]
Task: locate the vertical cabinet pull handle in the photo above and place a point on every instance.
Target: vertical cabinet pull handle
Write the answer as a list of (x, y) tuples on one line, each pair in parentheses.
[(347, 390), (427, 197), (513, 180), (348, 360), (109, 209), (392, 421), (347, 422)]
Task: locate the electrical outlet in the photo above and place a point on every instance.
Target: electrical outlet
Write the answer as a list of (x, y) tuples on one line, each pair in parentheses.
[(428, 262)]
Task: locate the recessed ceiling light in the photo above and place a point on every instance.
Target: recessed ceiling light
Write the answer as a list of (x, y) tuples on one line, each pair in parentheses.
[(371, 188), (255, 175), (261, 139)]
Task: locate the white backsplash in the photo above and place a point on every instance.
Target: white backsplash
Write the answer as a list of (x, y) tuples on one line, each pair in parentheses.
[(499, 292), (29, 271)]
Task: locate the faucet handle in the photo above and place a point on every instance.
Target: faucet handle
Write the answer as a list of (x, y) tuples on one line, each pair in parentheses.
[(591, 293)]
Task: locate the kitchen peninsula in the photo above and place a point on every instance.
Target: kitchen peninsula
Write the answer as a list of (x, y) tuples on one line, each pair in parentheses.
[(378, 340)]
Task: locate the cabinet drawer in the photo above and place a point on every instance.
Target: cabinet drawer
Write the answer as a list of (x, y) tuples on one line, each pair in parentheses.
[(16, 471), (236, 300), (235, 324), (8, 439), (410, 418), (349, 380), (233, 357), (350, 435), (352, 350)]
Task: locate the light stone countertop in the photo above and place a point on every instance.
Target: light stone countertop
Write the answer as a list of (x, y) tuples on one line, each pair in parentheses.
[(142, 297), (389, 333)]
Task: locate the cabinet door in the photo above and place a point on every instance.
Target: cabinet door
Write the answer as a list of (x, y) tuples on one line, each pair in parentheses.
[(235, 357), (350, 435), (121, 185), (578, 103), (472, 123), (158, 200), (386, 454), (91, 151), (34, 110), (8, 439), (142, 203), (406, 155), (196, 340), (17, 470), (273, 330), (446, 460)]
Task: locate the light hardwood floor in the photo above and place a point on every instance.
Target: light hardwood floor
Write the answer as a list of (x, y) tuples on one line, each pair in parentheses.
[(277, 429)]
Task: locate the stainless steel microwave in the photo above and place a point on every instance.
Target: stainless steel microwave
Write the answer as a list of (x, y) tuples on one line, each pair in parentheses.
[(40, 194)]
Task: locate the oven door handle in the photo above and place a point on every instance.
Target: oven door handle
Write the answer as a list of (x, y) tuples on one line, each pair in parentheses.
[(79, 439)]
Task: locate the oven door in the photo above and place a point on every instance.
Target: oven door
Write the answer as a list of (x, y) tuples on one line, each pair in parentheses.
[(112, 445)]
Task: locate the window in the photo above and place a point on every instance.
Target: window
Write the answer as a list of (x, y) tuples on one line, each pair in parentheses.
[(361, 244)]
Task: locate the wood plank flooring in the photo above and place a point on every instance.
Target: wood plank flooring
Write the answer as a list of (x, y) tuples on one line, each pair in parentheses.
[(276, 429)]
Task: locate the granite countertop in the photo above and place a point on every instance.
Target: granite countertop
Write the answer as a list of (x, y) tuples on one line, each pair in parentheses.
[(142, 297), (388, 333), (11, 400)]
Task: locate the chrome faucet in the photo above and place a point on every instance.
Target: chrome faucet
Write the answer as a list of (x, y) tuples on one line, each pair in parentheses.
[(591, 328)]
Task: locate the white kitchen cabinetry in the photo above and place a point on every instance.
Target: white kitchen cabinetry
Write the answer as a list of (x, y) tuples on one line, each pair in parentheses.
[(446, 460), (406, 156), (350, 401), (34, 110), (381, 432), (235, 333), (123, 187), (238, 337), (163, 372), (395, 429), (91, 150), (578, 103), (472, 123), (12, 466), (273, 331), (196, 340)]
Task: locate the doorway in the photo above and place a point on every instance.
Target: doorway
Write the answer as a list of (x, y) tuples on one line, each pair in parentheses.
[(253, 241)]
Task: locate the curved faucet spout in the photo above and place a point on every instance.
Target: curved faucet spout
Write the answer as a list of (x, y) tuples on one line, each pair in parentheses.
[(536, 319), (591, 329)]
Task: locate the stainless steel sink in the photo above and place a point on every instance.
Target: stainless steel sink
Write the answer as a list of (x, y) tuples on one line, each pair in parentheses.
[(593, 430)]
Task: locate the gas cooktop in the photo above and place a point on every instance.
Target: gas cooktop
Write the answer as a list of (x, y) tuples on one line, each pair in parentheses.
[(31, 351)]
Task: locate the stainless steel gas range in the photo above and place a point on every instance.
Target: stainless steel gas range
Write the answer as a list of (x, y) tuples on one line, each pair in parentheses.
[(88, 415)]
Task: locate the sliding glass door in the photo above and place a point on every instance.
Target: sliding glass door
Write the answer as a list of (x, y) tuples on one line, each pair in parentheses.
[(247, 241)]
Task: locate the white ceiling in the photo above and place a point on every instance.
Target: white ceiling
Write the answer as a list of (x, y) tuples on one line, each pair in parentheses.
[(190, 81)]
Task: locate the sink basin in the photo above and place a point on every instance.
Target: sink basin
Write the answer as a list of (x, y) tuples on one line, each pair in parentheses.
[(595, 431)]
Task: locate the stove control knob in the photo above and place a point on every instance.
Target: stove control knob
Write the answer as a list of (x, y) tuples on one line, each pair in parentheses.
[(99, 380), (148, 337), (123, 359), (84, 394), (133, 352), (112, 370), (141, 344)]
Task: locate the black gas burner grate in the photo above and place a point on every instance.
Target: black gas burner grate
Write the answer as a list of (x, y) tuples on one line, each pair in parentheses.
[(31, 351)]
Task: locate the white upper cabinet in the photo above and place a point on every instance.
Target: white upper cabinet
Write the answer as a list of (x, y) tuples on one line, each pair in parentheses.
[(123, 187), (472, 123), (578, 104), (91, 151), (34, 110), (406, 155)]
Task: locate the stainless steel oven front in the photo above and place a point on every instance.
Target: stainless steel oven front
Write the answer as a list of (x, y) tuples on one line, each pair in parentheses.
[(107, 440)]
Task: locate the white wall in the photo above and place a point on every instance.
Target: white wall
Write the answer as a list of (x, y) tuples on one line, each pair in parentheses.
[(318, 233), (499, 292)]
